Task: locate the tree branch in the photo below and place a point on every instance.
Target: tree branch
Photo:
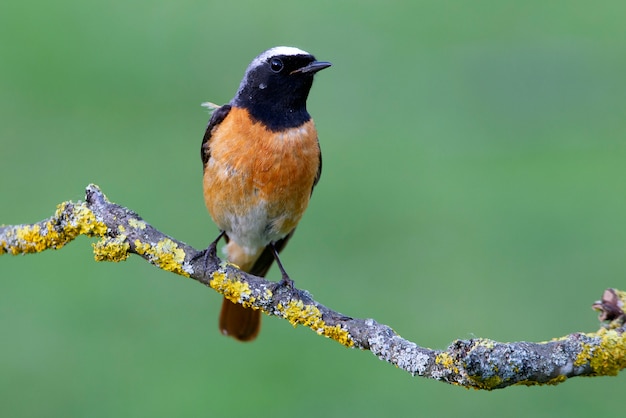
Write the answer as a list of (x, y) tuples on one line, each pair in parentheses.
[(477, 363)]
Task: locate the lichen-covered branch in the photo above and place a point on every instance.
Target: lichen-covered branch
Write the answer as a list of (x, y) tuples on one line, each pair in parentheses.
[(477, 363)]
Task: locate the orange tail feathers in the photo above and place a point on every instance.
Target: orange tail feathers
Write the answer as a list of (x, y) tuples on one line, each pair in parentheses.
[(241, 323), (238, 322)]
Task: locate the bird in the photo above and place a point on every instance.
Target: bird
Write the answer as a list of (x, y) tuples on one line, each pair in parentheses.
[(261, 161)]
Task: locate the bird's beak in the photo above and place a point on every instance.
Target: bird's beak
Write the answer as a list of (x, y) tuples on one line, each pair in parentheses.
[(313, 67)]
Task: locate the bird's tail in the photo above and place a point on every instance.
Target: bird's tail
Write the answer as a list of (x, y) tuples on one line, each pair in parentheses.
[(238, 322)]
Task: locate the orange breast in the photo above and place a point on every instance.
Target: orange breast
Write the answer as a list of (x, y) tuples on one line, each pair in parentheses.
[(257, 183)]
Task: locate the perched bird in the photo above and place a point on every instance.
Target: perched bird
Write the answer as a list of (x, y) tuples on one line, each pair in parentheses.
[(261, 160)]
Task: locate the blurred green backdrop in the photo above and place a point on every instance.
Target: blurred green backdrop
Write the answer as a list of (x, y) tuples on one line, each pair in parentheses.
[(473, 185)]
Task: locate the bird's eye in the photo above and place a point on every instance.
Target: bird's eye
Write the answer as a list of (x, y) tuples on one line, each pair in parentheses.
[(276, 65)]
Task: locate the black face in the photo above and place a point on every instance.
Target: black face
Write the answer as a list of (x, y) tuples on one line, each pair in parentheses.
[(275, 88)]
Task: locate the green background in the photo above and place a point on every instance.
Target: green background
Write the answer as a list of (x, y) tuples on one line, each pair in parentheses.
[(473, 185)]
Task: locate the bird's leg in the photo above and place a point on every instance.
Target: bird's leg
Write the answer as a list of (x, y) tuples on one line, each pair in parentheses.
[(285, 280), (211, 250)]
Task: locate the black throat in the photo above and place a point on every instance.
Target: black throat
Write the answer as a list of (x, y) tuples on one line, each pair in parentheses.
[(275, 116), (277, 102)]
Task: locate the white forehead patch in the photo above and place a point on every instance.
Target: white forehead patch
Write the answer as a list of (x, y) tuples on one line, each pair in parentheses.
[(277, 50)]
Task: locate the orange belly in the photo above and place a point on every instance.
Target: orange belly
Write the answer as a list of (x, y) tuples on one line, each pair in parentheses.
[(257, 183)]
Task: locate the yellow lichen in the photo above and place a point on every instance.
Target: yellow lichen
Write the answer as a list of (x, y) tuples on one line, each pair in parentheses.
[(34, 238), (608, 357), (115, 249), (168, 256), (338, 334), (446, 361), (137, 223), (58, 231), (297, 313), (234, 290), (84, 221), (165, 254), (30, 240), (487, 383), (218, 281), (584, 356), (141, 248)]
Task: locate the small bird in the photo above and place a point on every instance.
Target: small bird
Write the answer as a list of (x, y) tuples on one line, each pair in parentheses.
[(261, 160)]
